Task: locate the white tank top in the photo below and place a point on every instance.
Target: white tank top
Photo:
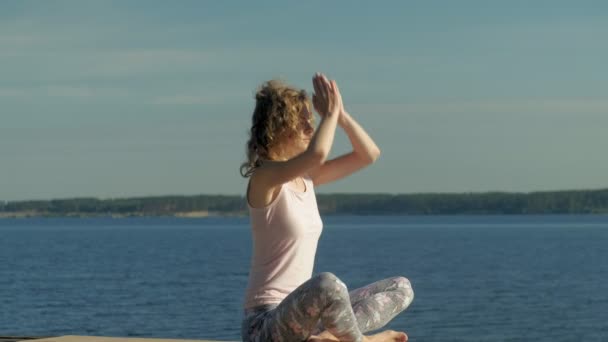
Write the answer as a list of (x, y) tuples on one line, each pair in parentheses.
[(285, 235)]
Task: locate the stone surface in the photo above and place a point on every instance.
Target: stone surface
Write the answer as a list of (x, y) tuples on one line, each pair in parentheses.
[(74, 338)]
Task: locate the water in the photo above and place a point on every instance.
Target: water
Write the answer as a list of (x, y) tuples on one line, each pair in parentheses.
[(487, 278)]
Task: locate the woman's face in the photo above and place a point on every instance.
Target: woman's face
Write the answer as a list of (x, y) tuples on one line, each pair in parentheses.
[(307, 130), (300, 142)]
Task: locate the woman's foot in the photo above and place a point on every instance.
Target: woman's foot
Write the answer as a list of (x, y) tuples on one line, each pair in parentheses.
[(320, 339), (325, 336), (386, 336)]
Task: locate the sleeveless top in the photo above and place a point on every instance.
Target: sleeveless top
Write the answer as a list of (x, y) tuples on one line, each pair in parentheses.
[(285, 235)]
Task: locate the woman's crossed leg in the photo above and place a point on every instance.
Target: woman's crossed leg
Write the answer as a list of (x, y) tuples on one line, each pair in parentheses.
[(324, 303)]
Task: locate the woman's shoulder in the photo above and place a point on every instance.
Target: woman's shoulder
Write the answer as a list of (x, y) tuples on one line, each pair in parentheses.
[(259, 194)]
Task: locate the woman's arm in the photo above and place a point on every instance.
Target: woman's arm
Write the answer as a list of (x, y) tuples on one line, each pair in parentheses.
[(362, 143), (365, 152), (327, 96)]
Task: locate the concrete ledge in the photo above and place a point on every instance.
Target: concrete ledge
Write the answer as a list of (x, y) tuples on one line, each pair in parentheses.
[(74, 338)]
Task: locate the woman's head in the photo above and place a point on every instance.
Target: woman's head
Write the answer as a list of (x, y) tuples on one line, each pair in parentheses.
[(282, 124)]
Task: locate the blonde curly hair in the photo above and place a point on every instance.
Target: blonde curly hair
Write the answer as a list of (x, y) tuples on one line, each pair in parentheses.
[(276, 116)]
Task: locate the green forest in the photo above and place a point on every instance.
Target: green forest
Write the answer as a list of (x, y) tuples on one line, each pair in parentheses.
[(490, 203)]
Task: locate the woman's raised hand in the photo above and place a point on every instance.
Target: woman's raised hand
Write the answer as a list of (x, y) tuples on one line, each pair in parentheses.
[(326, 99)]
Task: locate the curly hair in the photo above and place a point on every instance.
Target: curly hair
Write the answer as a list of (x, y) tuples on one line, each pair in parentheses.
[(276, 115)]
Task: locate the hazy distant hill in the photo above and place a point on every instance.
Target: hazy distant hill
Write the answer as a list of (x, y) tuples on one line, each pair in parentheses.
[(554, 202)]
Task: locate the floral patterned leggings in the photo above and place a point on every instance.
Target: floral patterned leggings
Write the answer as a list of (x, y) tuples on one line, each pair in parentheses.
[(323, 302)]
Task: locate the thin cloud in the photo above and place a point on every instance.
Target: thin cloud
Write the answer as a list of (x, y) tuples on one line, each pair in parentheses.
[(540, 106), (182, 99), (8, 92), (128, 62), (18, 39), (67, 91), (55, 90)]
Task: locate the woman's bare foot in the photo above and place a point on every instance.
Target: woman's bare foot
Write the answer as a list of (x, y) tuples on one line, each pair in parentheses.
[(326, 336), (320, 339), (386, 336)]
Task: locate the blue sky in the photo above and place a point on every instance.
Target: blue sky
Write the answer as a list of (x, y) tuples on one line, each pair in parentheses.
[(136, 98)]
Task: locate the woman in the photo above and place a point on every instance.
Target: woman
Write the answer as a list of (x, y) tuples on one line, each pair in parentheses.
[(286, 160)]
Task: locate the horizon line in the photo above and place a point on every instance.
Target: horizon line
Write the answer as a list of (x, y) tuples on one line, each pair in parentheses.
[(318, 194)]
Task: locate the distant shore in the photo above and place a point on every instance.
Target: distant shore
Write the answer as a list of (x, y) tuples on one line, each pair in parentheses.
[(35, 214), (200, 206)]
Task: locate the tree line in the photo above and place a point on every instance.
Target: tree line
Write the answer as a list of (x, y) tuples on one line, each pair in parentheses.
[(549, 202)]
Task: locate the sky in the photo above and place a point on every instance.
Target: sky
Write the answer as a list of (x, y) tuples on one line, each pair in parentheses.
[(114, 99)]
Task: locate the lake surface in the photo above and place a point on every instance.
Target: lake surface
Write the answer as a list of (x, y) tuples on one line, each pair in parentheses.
[(477, 278)]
